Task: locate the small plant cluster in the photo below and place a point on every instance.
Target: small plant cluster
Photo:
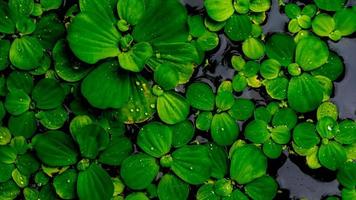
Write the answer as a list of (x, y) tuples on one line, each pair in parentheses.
[(99, 100)]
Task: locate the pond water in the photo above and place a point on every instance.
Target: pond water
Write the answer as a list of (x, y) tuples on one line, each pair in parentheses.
[(295, 179)]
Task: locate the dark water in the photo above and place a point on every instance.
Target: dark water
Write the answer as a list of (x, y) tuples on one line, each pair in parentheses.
[(295, 179)]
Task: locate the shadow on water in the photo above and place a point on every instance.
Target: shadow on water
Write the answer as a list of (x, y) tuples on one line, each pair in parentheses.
[(295, 178)]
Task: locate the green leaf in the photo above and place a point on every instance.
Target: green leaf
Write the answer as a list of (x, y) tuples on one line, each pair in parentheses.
[(6, 170), (192, 164), (5, 136), (163, 21), (55, 148), (20, 179), (21, 8), (348, 193), (92, 35), (172, 108), (239, 83), (257, 131), (180, 55), (253, 48), (332, 155), (94, 183), (270, 69), (281, 47), (285, 117), (136, 58), (26, 53), (27, 164), (304, 93), (281, 134), (172, 188), (206, 192), (219, 10), (327, 109), (196, 26), (327, 127), (260, 5), (263, 113), (200, 96), (203, 121), (346, 133), (208, 41), (277, 88), (138, 171), (271, 149), (9, 190), (79, 122), (105, 7), (117, 150), (7, 24), (20, 144), (305, 135), (53, 119), (64, 67), (238, 27), (17, 102), (166, 76), (345, 21), (48, 94), (330, 5), (8, 154), (131, 11), (106, 86), (23, 125), (333, 69), (51, 4), (224, 100), (91, 138), (18, 80), (4, 52), (242, 109), (311, 53), (224, 129), (65, 184), (141, 104), (263, 188), (49, 29), (155, 139), (238, 195), (137, 196), (323, 25), (346, 175), (247, 163), (183, 133), (218, 156)]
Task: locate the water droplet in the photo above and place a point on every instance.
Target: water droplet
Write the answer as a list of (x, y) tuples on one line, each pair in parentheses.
[(329, 128), (21, 182), (152, 148), (146, 113), (152, 106), (191, 168), (222, 129), (137, 110), (141, 89), (137, 83), (131, 110), (68, 181)]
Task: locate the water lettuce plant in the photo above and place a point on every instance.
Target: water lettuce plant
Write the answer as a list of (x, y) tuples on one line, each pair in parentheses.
[(154, 99), (137, 37)]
